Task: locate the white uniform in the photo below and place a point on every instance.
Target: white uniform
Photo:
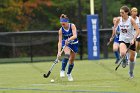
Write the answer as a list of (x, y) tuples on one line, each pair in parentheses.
[(126, 30), (138, 23)]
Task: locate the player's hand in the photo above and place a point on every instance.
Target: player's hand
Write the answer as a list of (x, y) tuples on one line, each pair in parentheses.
[(66, 42), (111, 39), (132, 41), (59, 54)]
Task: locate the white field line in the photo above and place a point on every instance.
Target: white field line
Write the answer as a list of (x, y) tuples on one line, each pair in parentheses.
[(68, 85)]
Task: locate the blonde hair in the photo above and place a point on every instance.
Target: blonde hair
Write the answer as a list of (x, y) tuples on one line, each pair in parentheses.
[(134, 9)]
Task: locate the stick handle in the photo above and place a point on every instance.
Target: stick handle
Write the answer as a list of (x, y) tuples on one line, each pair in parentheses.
[(111, 40), (60, 53), (63, 49), (56, 61)]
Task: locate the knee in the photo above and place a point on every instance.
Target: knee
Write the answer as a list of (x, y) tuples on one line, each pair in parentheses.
[(71, 60), (132, 58), (115, 49), (67, 56), (123, 54)]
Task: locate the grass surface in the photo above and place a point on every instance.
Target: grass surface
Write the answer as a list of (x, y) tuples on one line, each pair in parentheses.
[(89, 77)]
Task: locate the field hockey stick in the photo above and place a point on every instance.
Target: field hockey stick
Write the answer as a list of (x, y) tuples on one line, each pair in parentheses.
[(46, 75), (110, 40), (117, 33), (121, 60)]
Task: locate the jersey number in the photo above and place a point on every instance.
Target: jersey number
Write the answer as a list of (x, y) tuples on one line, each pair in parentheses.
[(124, 30)]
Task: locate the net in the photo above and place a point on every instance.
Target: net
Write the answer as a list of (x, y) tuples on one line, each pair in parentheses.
[(38, 46), (32, 45)]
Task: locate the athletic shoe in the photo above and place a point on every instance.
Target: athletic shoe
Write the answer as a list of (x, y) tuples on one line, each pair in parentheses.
[(70, 77), (117, 60), (62, 74), (124, 63), (131, 75)]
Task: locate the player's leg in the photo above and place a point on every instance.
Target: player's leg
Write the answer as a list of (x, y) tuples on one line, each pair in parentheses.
[(116, 51), (65, 61), (123, 49), (132, 61), (137, 47), (71, 65), (131, 64), (74, 50)]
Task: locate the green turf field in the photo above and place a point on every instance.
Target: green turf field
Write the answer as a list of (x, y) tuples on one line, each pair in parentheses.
[(89, 77)]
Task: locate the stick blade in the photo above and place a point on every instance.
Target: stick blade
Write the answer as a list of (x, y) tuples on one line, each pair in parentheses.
[(116, 68), (118, 65), (47, 75)]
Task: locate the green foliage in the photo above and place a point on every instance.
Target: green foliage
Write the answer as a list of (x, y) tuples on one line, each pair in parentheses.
[(22, 15), (113, 10)]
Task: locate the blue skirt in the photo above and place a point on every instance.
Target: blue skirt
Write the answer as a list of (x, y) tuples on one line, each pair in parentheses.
[(73, 47), (116, 40)]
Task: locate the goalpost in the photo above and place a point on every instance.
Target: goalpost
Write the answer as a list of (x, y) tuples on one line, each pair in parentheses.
[(93, 34), (92, 7)]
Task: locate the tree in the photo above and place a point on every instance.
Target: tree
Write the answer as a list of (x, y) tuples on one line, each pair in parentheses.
[(23, 15), (17, 15)]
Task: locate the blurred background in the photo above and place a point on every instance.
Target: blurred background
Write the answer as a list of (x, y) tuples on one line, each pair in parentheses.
[(29, 28)]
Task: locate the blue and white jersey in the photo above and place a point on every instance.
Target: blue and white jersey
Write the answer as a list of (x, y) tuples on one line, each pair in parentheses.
[(116, 38), (73, 45), (67, 34), (117, 32)]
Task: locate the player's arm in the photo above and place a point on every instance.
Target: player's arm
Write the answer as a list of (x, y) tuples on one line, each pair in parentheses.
[(136, 28), (116, 25), (74, 32), (59, 40), (113, 34)]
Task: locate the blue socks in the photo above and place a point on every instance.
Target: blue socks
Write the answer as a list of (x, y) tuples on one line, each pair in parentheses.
[(70, 67), (64, 63), (117, 55)]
